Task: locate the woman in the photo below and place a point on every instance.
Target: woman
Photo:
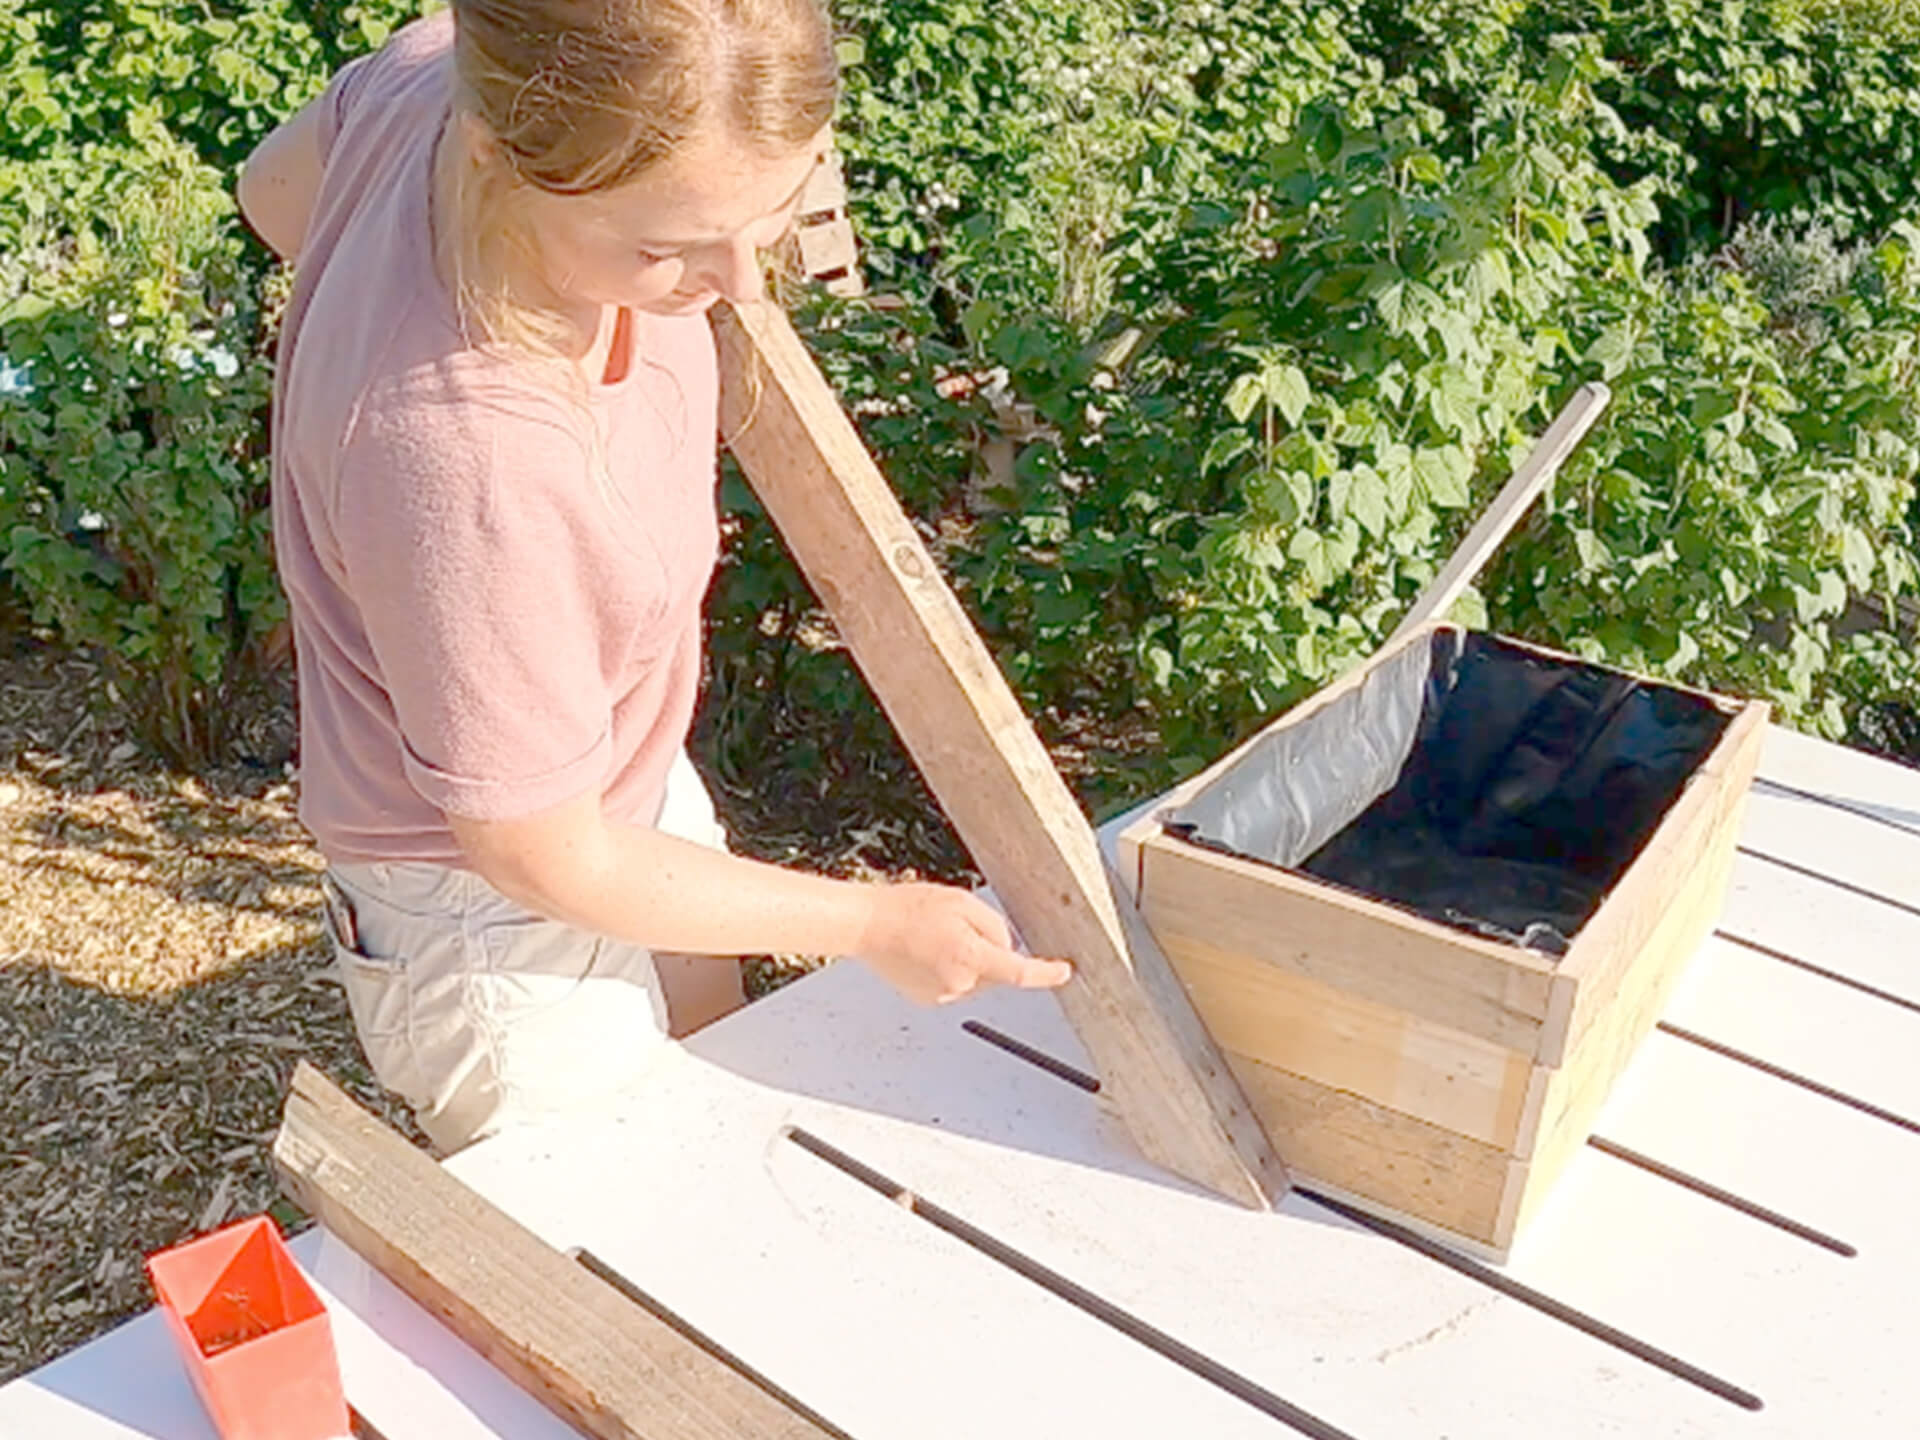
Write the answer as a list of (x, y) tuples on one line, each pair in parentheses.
[(494, 492)]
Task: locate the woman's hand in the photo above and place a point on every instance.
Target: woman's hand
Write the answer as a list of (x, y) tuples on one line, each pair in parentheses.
[(936, 943)]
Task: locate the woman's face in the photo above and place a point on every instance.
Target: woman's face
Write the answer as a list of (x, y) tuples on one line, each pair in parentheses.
[(685, 233)]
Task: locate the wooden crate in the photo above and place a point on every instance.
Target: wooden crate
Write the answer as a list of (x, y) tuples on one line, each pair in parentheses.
[(1417, 1069)]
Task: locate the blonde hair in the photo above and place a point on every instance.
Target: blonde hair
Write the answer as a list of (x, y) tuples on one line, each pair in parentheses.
[(581, 96)]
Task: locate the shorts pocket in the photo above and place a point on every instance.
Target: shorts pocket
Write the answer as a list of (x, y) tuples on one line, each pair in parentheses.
[(534, 964), (376, 982)]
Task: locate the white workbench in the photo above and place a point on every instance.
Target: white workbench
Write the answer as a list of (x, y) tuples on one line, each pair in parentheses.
[(895, 1330)]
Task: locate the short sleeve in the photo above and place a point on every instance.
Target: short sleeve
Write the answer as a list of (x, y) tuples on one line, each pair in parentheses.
[(337, 99), (495, 602)]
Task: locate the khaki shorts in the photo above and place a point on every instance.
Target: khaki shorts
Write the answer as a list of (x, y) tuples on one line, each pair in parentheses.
[(481, 1014)]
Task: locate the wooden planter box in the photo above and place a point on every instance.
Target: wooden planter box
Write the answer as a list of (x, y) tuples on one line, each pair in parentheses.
[(1436, 1075)]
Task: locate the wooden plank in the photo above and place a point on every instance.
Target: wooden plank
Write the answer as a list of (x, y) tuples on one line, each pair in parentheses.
[(1499, 993), (1383, 1342), (1828, 1033), (1326, 1034), (855, 1305), (1381, 1157), (591, 1356), (1508, 508), (1578, 1089), (1851, 777), (827, 249), (1852, 849), (1791, 913), (980, 756), (1700, 829), (826, 187)]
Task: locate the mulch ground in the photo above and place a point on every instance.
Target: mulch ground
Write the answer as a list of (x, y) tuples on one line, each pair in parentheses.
[(161, 971)]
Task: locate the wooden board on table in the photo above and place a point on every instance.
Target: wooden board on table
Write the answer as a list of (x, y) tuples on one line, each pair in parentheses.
[(980, 755), (608, 1367), (1847, 819)]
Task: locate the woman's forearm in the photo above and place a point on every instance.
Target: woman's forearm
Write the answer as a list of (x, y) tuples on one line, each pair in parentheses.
[(658, 890), (933, 943)]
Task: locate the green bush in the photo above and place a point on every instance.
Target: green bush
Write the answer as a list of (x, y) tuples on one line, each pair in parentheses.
[(1209, 329), (1002, 199), (1332, 372), (1754, 477), (1328, 340), (1807, 109), (132, 443), (135, 362)]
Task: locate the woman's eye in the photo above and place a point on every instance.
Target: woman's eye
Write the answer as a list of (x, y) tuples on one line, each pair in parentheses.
[(654, 257)]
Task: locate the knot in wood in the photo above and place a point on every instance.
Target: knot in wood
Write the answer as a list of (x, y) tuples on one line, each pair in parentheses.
[(907, 560)]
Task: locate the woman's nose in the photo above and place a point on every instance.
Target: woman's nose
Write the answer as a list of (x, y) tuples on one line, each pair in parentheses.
[(735, 271)]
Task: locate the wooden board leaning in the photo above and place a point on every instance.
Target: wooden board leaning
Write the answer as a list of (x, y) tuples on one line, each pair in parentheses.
[(992, 776)]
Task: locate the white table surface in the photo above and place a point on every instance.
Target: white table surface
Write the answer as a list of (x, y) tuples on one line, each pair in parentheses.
[(891, 1328)]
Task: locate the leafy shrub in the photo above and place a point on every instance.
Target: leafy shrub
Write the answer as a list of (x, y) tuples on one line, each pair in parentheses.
[(1808, 109), (219, 74), (1337, 367), (132, 444), (1755, 474), (1002, 199), (1323, 354)]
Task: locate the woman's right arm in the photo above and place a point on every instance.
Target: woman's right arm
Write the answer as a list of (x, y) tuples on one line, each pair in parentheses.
[(282, 177), (933, 943)]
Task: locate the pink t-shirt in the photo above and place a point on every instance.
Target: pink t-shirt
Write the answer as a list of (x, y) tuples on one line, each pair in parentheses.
[(495, 609)]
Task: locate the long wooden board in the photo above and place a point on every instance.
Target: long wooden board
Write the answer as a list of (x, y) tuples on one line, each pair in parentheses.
[(978, 752), (596, 1359)]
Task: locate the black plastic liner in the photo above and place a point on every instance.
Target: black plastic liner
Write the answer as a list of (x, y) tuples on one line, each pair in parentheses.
[(1530, 785)]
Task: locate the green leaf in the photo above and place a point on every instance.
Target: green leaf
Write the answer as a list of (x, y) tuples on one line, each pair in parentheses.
[(1310, 549), (1245, 393), (1857, 558), (1470, 610), (1224, 449), (1444, 472), (1287, 388), (1612, 351), (1368, 501), (1592, 551)]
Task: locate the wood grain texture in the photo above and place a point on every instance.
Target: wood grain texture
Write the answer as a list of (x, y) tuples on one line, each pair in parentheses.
[(1379, 1052), (1272, 917), (829, 250), (1389, 1162), (594, 1358), (992, 776)]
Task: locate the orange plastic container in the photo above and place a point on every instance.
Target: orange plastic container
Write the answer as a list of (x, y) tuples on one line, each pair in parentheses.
[(254, 1336)]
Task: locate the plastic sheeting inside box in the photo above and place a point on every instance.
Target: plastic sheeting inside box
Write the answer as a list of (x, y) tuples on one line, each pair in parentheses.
[(1471, 780)]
